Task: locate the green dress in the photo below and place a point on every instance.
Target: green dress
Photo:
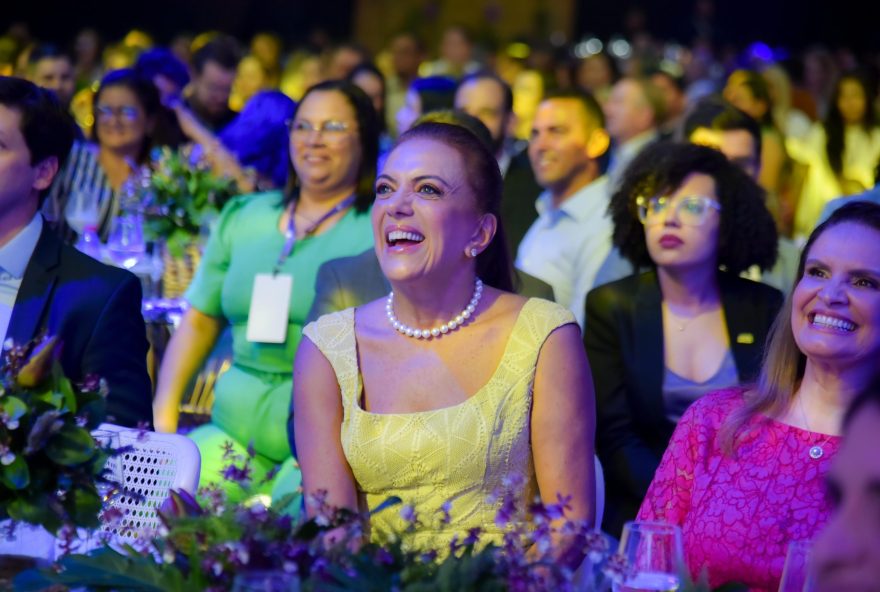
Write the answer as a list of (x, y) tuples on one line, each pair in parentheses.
[(252, 399)]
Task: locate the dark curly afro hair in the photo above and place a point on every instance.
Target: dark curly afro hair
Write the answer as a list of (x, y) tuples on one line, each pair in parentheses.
[(746, 235)]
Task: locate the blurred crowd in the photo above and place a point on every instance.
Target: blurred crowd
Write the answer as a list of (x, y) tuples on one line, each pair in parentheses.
[(816, 108)]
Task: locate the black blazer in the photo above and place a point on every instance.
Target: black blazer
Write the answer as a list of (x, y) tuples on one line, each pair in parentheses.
[(624, 342), (95, 311)]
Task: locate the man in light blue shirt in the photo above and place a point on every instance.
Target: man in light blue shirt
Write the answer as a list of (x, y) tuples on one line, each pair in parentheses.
[(571, 239), (14, 258)]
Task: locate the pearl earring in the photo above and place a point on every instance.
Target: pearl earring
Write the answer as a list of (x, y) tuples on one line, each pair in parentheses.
[(473, 252)]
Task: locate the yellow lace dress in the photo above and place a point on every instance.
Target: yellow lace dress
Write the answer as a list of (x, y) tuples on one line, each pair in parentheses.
[(460, 454)]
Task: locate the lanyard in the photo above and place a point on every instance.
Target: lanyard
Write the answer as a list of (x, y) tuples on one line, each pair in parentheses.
[(290, 233)]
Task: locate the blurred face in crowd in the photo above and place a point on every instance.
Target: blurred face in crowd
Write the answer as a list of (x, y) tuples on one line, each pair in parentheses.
[(594, 73), (851, 102), (455, 47), (56, 74), (627, 111), (483, 98), (405, 56), (211, 88), (250, 77), (564, 143), (120, 121), (324, 142), (411, 110), (375, 89), (846, 553), (344, 61), (672, 95), (425, 216), (682, 231), (19, 178), (737, 145), (835, 315)]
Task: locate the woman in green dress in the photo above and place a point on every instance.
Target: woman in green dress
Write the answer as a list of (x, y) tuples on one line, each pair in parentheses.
[(258, 275)]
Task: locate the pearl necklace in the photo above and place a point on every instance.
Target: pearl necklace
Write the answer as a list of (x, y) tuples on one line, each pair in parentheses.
[(443, 329)]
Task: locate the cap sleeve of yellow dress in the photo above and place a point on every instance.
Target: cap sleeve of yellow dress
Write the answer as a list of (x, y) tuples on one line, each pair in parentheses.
[(460, 454)]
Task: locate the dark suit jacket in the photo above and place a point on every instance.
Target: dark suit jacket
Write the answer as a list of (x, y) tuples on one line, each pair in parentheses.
[(351, 281), (518, 200), (624, 342), (95, 311)]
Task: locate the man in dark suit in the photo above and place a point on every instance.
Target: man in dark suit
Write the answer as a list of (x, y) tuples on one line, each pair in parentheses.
[(49, 288), (488, 98)]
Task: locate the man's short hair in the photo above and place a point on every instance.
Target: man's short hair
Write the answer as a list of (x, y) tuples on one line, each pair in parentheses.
[(716, 114), (506, 91), (222, 49), (46, 125), (589, 102), (45, 51)]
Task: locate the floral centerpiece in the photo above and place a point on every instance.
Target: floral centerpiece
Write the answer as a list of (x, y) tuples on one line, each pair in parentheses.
[(212, 545), (50, 465), (182, 195)]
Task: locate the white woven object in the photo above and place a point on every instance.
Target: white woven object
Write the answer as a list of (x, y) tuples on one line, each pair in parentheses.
[(154, 464)]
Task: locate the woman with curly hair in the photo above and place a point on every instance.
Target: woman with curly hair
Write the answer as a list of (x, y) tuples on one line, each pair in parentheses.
[(659, 340)]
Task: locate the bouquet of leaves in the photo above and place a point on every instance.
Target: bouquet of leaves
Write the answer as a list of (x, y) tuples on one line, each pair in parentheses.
[(182, 195), (50, 464)]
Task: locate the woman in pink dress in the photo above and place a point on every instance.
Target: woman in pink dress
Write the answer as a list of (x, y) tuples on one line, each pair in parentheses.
[(744, 472)]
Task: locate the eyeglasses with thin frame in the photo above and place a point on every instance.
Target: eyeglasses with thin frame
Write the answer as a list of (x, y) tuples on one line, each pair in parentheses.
[(126, 112), (331, 130), (691, 210)]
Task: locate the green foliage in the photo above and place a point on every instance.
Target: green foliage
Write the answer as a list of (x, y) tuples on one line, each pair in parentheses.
[(49, 462), (183, 196)]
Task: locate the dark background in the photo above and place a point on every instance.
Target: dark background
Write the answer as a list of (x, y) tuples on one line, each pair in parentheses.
[(793, 23)]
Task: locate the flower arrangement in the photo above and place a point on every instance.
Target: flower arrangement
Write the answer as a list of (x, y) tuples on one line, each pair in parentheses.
[(183, 194), (208, 544), (50, 465)]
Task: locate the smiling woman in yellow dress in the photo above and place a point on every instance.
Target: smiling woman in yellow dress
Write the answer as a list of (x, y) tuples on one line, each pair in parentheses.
[(452, 385)]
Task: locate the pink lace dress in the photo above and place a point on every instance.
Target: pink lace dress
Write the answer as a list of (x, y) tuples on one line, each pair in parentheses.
[(739, 512)]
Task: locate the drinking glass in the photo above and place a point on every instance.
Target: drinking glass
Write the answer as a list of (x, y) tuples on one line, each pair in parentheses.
[(82, 211), (654, 556), (126, 245), (797, 575), (266, 581)]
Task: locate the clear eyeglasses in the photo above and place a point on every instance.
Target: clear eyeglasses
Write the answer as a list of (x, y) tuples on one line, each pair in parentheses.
[(126, 112), (330, 130), (692, 210)]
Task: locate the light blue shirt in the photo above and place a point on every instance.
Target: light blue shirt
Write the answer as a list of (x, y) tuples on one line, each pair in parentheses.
[(871, 195), (14, 258), (568, 245)]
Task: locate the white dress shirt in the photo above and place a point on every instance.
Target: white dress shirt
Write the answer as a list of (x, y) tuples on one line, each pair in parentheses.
[(567, 245), (14, 258)]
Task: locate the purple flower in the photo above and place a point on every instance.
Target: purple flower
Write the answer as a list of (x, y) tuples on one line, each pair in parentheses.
[(473, 536), (446, 516), (408, 513)]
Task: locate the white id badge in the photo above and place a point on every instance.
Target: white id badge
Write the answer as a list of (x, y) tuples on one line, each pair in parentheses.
[(270, 308)]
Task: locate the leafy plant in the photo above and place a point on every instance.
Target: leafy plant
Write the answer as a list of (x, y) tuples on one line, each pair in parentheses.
[(50, 464), (182, 195)]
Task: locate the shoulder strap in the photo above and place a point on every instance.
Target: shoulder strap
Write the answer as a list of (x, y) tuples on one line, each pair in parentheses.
[(537, 320), (333, 334)]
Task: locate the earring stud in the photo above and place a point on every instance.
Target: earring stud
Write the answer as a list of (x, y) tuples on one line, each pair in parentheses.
[(473, 252)]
